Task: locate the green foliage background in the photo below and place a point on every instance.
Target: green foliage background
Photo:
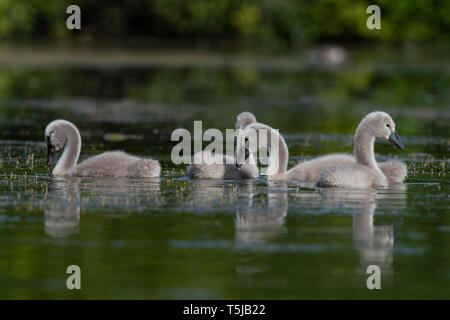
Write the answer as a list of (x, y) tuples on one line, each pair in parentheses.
[(288, 22)]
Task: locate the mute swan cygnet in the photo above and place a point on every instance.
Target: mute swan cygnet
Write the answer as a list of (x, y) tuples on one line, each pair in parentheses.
[(278, 153), (64, 135), (310, 170), (205, 165), (304, 171), (366, 172)]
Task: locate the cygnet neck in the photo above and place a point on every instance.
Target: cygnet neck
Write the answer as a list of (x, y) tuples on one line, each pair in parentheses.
[(279, 156), (364, 148), (250, 167), (69, 158)]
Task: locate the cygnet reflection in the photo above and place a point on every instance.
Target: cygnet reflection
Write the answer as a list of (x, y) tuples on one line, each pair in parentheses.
[(209, 194), (121, 194), (62, 210), (375, 243), (259, 219)]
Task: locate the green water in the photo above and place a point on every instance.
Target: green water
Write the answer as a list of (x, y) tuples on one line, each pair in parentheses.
[(172, 238)]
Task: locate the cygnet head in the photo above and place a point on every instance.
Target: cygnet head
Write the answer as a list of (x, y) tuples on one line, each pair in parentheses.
[(380, 125), (56, 137), (244, 119)]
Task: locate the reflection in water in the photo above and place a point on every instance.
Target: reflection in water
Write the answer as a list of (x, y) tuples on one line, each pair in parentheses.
[(256, 221), (210, 194), (261, 213), (260, 216), (375, 243), (121, 194), (62, 210)]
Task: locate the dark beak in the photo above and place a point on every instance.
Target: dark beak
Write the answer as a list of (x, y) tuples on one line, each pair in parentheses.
[(395, 139), (51, 156)]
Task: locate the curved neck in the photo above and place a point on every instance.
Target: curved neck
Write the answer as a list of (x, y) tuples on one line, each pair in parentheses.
[(69, 158), (250, 167), (279, 155), (364, 149)]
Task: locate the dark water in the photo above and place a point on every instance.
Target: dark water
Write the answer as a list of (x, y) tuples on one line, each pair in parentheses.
[(175, 238)]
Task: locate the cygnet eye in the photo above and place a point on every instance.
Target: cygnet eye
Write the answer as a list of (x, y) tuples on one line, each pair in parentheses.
[(387, 125)]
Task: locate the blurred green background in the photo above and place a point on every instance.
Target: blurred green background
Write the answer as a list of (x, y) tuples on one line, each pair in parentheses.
[(265, 23)]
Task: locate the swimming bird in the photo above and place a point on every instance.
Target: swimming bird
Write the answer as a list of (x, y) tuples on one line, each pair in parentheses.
[(276, 145), (310, 170), (366, 171), (63, 135), (279, 155), (206, 165)]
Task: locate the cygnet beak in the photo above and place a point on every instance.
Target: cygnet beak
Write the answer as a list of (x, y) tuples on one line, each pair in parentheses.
[(395, 139), (51, 156)]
